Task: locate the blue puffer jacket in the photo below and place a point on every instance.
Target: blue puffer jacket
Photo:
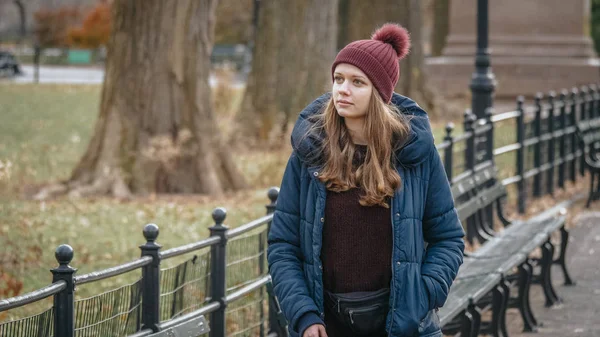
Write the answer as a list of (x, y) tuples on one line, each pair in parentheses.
[(422, 210)]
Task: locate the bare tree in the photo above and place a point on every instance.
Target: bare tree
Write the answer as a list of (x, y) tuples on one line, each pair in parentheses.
[(156, 132), (295, 44), (441, 18)]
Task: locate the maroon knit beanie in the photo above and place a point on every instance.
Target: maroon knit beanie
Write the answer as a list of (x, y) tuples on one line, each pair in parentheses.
[(378, 57)]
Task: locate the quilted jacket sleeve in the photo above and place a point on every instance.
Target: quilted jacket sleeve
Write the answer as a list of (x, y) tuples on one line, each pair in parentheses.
[(444, 234), (284, 253)]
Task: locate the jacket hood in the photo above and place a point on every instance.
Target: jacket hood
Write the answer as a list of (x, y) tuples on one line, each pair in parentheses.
[(412, 152)]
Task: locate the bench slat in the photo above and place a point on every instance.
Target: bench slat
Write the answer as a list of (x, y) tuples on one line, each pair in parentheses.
[(491, 194), (501, 247), (532, 228), (478, 267), (464, 186)]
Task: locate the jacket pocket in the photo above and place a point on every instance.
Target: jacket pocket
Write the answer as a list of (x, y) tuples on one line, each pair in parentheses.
[(430, 325), (411, 302)]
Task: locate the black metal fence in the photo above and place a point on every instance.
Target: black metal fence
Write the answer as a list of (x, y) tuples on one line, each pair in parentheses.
[(535, 147), (224, 280)]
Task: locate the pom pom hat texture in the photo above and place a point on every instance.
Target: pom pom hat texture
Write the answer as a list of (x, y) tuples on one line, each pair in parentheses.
[(378, 57)]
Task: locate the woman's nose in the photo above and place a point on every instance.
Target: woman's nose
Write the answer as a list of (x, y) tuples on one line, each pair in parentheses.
[(343, 88)]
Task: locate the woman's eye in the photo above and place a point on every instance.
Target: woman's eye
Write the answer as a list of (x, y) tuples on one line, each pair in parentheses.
[(358, 82), (338, 79)]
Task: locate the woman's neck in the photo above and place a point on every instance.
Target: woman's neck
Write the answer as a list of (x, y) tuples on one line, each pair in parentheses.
[(356, 128)]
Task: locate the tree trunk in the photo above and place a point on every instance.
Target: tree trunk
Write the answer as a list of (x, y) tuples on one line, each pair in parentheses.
[(156, 132), (258, 111), (295, 44), (305, 64), (22, 20), (441, 18), (364, 17)]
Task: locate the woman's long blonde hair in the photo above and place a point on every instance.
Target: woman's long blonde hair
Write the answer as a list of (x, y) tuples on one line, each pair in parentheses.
[(385, 128)]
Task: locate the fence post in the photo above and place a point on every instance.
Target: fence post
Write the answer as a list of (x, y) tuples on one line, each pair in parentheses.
[(551, 150), (574, 142), (151, 279), (469, 127), (489, 112), (522, 183), (583, 115), (275, 325), (273, 194), (593, 113), (537, 153), (563, 138), (64, 301), (448, 152), (218, 265)]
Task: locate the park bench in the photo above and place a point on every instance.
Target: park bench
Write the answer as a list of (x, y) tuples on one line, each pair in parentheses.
[(588, 133), (487, 275)]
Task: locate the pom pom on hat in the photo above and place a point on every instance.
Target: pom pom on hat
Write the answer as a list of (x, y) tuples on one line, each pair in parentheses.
[(395, 35)]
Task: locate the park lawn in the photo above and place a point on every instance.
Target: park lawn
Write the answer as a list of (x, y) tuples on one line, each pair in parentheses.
[(44, 130)]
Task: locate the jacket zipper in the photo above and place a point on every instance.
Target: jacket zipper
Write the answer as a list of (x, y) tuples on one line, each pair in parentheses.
[(392, 292)]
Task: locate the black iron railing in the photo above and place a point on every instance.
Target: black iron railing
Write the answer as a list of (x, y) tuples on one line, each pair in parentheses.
[(226, 278), (542, 153)]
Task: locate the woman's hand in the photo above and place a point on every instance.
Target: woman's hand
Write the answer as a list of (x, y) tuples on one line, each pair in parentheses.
[(315, 330)]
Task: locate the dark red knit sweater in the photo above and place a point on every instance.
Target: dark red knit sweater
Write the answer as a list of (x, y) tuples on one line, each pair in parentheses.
[(357, 246)]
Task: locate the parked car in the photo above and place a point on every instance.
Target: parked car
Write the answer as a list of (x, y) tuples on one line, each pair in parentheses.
[(9, 66)]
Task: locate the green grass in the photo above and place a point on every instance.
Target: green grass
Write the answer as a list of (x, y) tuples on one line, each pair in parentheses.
[(44, 131)]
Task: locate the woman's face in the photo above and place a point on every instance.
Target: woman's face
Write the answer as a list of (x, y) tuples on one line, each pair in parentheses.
[(351, 91)]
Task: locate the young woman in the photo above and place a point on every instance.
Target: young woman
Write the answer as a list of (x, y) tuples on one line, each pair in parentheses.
[(365, 239)]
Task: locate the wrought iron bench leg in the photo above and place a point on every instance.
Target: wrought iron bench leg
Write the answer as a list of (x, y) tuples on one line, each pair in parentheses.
[(551, 251), (546, 278), (505, 284), (562, 259), (471, 321), (499, 305), (591, 195), (506, 287), (525, 275), (481, 228)]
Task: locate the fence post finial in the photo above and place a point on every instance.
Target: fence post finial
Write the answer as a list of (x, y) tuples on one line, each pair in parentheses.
[(448, 151), (273, 194), (520, 158), (150, 279), (551, 150), (562, 167), (64, 301), (218, 266), (537, 147)]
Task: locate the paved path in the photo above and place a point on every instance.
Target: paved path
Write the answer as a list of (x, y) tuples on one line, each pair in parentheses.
[(579, 315), (74, 75)]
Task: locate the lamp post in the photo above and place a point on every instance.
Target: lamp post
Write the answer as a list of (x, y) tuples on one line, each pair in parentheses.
[(483, 81)]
